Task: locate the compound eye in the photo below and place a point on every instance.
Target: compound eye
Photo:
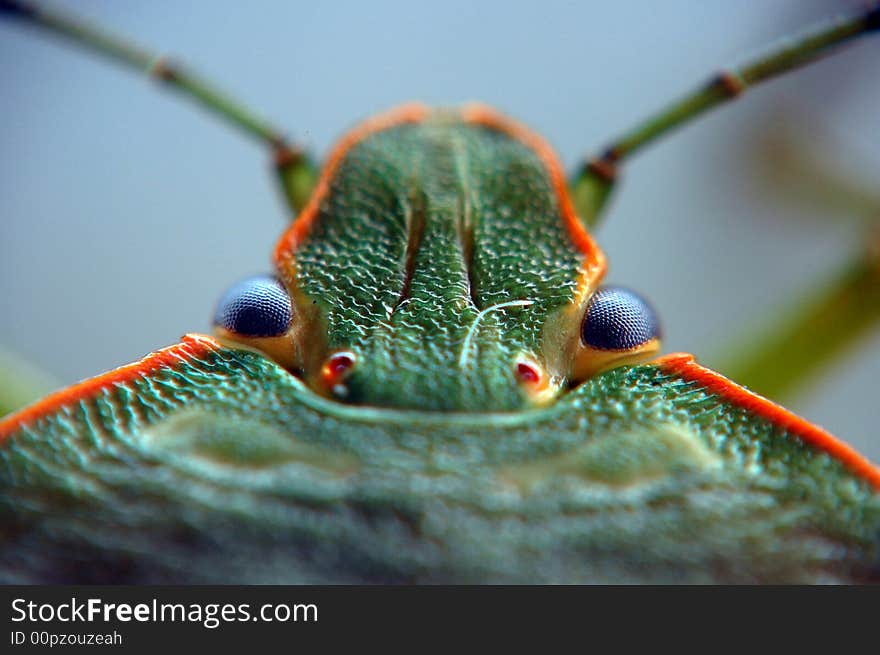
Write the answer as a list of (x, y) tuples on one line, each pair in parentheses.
[(619, 328), (618, 319), (258, 306)]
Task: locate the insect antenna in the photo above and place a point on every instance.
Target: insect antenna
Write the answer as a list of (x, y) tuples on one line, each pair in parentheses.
[(295, 170), (593, 183)]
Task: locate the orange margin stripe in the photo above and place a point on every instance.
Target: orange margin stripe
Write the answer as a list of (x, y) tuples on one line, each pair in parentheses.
[(191, 346), (684, 365), (480, 114), (410, 113), (472, 113)]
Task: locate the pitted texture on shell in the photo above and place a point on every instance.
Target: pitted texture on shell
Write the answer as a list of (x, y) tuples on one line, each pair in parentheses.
[(426, 226), (224, 468)]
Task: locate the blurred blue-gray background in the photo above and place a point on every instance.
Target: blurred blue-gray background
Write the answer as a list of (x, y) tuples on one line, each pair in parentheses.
[(124, 212)]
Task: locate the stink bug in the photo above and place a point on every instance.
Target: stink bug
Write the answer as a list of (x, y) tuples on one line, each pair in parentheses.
[(453, 395)]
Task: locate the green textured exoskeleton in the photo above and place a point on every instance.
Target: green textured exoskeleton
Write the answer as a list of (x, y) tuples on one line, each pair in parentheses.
[(432, 387), (210, 463)]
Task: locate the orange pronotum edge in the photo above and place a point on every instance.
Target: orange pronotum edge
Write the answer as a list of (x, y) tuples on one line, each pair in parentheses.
[(595, 259), (294, 235), (684, 365), (192, 345), (472, 113)]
